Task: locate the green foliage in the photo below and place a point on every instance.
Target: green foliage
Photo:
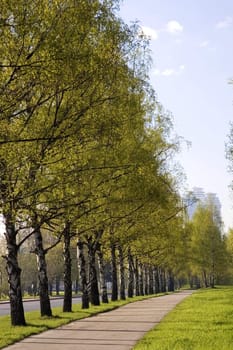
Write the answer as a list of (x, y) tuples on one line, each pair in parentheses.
[(83, 137), (208, 248), (229, 246)]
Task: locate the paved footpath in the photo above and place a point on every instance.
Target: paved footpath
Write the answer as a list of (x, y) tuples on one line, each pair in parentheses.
[(118, 329)]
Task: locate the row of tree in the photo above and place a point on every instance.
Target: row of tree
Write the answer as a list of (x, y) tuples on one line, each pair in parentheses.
[(86, 155), (203, 259), (210, 261), (84, 144)]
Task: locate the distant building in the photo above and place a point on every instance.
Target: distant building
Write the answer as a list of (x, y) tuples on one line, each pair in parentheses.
[(197, 196), (215, 200), (193, 199)]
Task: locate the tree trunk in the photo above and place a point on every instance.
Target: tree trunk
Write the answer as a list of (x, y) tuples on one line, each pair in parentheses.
[(57, 281), (50, 284), (83, 276), (122, 273), (131, 275), (170, 282), (212, 275), (146, 276), (14, 272), (151, 281), (191, 281), (114, 273), (93, 280), (196, 282), (156, 280), (136, 272), (205, 279), (141, 279), (212, 280), (12, 266), (103, 284), (45, 307), (76, 286), (162, 277), (67, 302)]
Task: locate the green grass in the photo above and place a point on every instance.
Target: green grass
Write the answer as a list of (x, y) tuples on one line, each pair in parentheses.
[(37, 324), (5, 297), (203, 321)]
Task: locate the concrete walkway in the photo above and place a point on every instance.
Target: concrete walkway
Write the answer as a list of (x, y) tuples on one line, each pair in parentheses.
[(119, 329)]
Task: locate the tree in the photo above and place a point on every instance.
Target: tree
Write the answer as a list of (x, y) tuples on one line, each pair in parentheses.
[(84, 147), (207, 245), (3, 273), (38, 96)]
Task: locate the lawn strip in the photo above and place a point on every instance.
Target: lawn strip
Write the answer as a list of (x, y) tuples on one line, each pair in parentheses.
[(204, 321)]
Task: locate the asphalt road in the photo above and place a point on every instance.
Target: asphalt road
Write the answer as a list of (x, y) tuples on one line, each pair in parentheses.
[(34, 305)]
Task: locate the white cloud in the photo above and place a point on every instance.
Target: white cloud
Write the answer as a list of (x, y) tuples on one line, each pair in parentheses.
[(150, 32), (207, 45), (178, 41), (156, 72), (174, 27), (225, 23), (204, 43), (167, 72)]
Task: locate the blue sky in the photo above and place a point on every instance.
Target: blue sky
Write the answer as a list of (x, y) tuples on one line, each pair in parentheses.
[(192, 52)]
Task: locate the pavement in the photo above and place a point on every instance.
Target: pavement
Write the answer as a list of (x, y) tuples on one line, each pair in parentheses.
[(119, 329)]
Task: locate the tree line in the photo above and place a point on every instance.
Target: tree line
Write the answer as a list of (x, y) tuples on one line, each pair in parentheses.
[(87, 155)]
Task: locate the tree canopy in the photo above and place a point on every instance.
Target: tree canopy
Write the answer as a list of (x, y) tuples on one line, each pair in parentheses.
[(86, 154)]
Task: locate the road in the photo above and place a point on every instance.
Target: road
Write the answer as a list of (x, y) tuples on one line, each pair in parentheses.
[(34, 305)]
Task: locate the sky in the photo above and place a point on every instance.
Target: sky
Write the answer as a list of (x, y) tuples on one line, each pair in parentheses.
[(192, 53)]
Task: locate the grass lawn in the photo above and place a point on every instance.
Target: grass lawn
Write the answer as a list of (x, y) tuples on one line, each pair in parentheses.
[(37, 324), (204, 321)]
